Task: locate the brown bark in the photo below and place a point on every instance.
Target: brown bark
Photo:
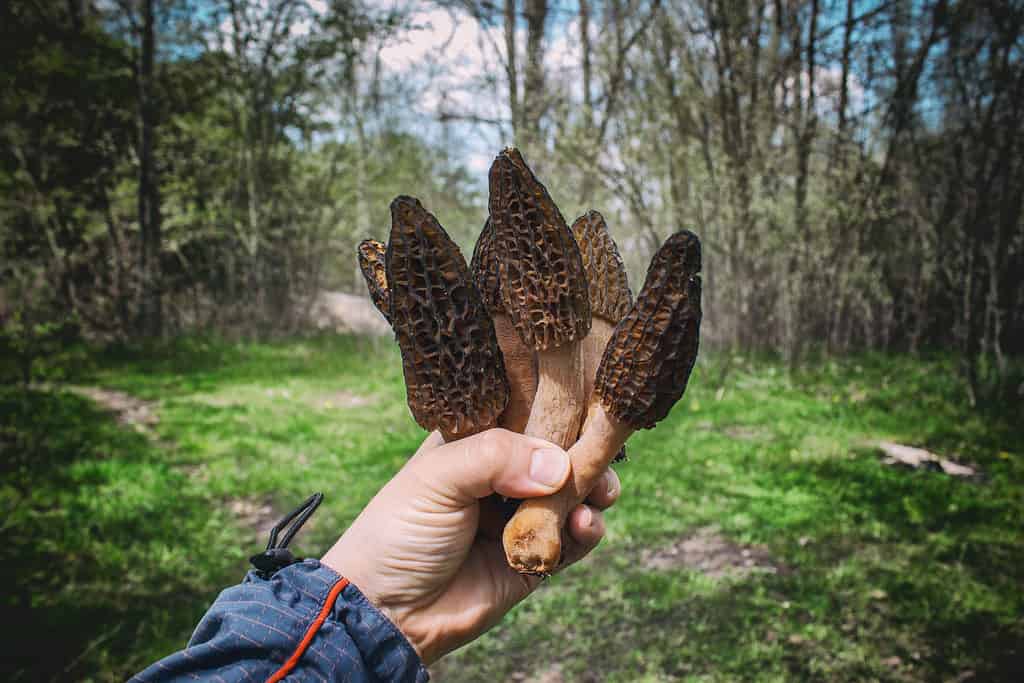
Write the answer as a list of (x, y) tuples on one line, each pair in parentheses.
[(510, 69), (534, 97), (844, 83), (588, 104), (150, 310)]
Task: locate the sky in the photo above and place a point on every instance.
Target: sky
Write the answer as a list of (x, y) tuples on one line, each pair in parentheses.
[(452, 55), (447, 53), (452, 63)]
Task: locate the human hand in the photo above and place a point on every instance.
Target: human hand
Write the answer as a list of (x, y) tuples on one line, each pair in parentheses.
[(427, 549)]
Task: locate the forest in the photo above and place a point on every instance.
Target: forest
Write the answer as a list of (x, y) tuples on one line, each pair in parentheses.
[(184, 183), (854, 168)]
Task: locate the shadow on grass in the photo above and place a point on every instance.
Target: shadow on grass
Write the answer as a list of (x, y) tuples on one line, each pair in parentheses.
[(944, 552), (97, 542), (198, 364), (801, 626)]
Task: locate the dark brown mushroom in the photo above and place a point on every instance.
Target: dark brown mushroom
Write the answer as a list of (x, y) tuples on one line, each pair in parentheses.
[(454, 373), (643, 372), (520, 362), (608, 287), (544, 291), (371, 263)]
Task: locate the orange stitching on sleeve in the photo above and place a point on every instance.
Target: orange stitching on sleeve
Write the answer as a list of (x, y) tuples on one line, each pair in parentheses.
[(308, 638)]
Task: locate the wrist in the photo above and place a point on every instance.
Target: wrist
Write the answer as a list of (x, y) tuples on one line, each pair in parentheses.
[(351, 566), (417, 630)]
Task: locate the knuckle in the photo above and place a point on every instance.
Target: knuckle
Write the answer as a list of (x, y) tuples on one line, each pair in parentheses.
[(495, 441)]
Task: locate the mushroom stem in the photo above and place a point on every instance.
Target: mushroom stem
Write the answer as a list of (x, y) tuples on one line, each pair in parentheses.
[(533, 538), (520, 366), (592, 348), (558, 405)]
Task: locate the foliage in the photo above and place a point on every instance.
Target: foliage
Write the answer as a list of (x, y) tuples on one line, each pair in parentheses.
[(853, 168), (255, 194), (874, 563)]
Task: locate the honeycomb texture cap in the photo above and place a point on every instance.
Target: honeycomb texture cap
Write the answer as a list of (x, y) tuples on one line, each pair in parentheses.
[(454, 371), (371, 263), (607, 281), (649, 357), (542, 281), (484, 267)]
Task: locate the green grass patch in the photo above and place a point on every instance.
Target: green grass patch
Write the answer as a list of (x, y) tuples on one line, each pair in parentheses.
[(116, 540)]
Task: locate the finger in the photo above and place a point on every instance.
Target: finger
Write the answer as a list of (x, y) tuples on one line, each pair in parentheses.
[(586, 529), (494, 461), (606, 491), (433, 440)]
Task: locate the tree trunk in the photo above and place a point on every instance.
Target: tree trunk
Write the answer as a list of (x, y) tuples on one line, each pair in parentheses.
[(844, 85), (121, 293), (534, 97), (510, 69), (150, 310), (588, 180)]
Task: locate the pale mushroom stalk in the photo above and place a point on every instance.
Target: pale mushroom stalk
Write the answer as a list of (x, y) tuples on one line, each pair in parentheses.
[(608, 288), (520, 362), (643, 372), (454, 373), (544, 291)]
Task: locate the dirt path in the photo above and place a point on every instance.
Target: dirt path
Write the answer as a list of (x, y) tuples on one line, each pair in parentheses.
[(706, 550), (134, 413), (127, 409), (348, 313)]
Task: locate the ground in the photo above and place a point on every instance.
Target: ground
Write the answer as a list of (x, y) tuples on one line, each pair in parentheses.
[(760, 536)]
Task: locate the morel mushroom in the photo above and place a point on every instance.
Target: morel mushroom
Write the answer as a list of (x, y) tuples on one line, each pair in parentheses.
[(371, 263), (520, 363), (608, 287), (544, 291), (454, 373), (643, 373)]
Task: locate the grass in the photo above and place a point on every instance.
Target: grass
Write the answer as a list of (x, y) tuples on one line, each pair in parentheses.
[(116, 541)]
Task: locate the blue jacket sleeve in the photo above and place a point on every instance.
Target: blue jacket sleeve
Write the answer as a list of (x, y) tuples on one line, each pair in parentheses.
[(303, 623)]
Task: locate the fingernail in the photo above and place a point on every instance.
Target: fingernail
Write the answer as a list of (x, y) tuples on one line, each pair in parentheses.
[(611, 486), (548, 466), (586, 517)]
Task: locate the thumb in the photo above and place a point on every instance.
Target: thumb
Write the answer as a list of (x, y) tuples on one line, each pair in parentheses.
[(495, 461)]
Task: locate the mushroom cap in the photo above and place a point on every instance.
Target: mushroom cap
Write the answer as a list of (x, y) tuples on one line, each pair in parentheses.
[(607, 281), (454, 371), (648, 360), (484, 267), (542, 281), (371, 263)]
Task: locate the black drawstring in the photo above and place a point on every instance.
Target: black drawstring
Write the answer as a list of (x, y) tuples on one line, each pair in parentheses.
[(277, 556)]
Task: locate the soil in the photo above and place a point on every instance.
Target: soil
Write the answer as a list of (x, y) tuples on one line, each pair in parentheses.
[(128, 410), (257, 515), (349, 313), (708, 551)]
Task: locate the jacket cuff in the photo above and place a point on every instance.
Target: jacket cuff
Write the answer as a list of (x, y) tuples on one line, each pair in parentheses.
[(303, 623), (385, 652), (385, 649)]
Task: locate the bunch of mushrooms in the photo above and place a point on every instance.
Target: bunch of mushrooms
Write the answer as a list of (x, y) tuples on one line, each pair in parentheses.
[(539, 335)]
